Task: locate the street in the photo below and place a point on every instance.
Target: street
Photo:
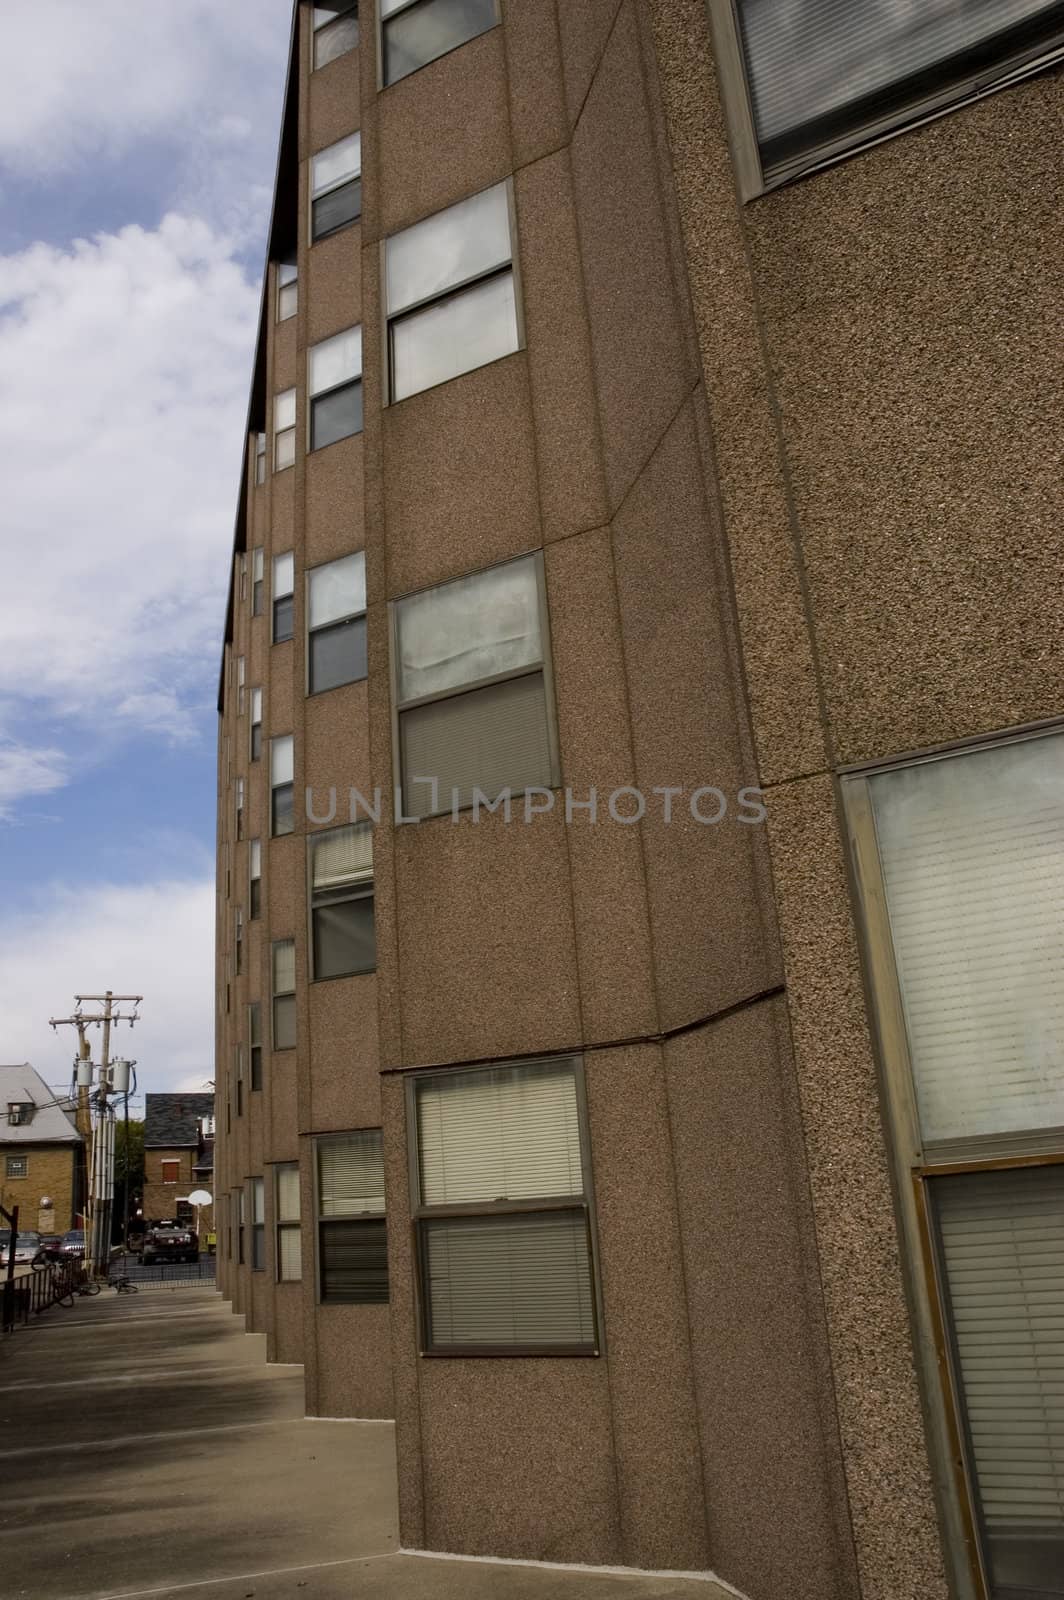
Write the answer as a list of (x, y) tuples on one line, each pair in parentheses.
[(147, 1449)]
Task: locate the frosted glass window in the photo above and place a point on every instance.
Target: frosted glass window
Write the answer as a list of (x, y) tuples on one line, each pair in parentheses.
[(336, 360), (289, 1243), (284, 429), (343, 936), (419, 31), (455, 335), (334, 373), (336, 186), (821, 71), (335, 32), (282, 785), (448, 249), (284, 998), (283, 604), (336, 623), (972, 853), (287, 290), (470, 629), (337, 590)]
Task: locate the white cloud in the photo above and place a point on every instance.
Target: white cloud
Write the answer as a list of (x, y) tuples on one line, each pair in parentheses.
[(124, 369), (25, 771), (154, 939), (89, 85)]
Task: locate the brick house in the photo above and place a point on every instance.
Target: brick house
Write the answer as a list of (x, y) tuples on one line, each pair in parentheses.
[(42, 1154), (178, 1156)]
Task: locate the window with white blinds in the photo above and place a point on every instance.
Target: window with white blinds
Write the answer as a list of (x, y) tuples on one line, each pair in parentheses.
[(289, 1242), (352, 1233), (1001, 1238), (517, 1274), (825, 74), (972, 853), (460, 734)]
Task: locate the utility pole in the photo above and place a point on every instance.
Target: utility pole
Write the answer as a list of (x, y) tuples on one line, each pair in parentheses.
[(101, 1165)]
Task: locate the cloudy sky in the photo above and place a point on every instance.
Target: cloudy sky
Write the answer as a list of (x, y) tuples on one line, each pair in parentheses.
[(137, 145)]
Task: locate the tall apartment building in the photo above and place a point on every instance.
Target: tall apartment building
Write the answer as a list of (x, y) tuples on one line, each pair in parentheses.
[(653, 417)]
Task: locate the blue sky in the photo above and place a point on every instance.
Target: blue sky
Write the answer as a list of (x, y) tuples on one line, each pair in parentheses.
[(137, 147)]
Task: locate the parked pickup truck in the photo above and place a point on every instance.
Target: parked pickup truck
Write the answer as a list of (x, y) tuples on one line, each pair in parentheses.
[(169, 1243)]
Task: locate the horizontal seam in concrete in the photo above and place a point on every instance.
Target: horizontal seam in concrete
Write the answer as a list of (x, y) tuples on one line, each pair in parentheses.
[(577, 1566), (243, 1577), (148, 1375), (706, 1021), (141, 1438), (381, 1422), (100, 1326)]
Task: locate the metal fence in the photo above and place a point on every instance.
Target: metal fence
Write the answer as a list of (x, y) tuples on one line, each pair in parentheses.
[(35, 1291), (182, 1272)]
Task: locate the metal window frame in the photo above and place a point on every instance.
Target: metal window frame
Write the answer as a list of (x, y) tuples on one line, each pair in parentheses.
[(544, 666), (286, 594), (314, 395), (258, 571), (281, 433), (285, 283), (319, 30), (351, 616), (915, 1164), (258, 1229), (238, 941), (280, 994), (420, 1213), (382, 23), (331, 188), (283, 1224), (362, 888), (753, 180), (259, 469), (10, 1161), (254, 722), (318, 1141), (453, 290), (254, 878), (254, 1019), (276, 788)]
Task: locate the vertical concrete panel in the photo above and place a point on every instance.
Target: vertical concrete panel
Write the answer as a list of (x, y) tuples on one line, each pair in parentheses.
[(652, 1393), (534, 72), (403, 1316), (585, 30), (766, 1405), (354, 1362), (344, 1076), (605, 858), (885, 1453), (334, 518)]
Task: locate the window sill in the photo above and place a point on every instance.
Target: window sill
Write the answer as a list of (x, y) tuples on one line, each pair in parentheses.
[(338, 977)]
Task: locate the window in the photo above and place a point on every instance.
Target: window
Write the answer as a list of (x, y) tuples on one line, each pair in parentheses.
[(242, 576), (171, 1171), (238, 942), (449, 283), (257, 568), (284, 581), (20, 1112), (341, 899), (255, 1043), (416, 32), (239, 793), (240, 1210), (472, 687), (282, 787), (238, 1077), (352, 1233), (16, 1166), (287, 289), (289, 1252), (960, 865), (336, 623), (503, 1219), (254, 879), (256, 724), (335, 31), (336, 187), (334, 381), (258, 1224), (809, 82), (284, 430), (284, 994), (241, 666), (260, 459)]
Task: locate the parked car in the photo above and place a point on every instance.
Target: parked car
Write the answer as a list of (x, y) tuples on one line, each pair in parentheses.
[(52, 1245), (73, 1243), (169, 1243), (29, 1251)]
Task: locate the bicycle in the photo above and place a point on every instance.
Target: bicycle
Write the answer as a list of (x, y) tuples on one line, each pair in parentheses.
[(88, 1287), (123, 1285)]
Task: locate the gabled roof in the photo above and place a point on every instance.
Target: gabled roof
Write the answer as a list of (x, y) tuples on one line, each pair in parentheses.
[(50, 1123), (173, 1120)]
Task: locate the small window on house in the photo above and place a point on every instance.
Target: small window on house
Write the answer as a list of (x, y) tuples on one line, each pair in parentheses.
[(254, 879), (284, 580), (806, 84), (341, 901), (16, 1166), (472, 660), (258, 1224), (256, 724), (449, 284), (352, 1233), (239, 794), (335, 31), (258, 564), (284, 430), (282, 787), (287, 289), (238, 942), (284, 994), (171, 1171), (255, 1043), (260, 459), (504, 1231), (416, 32), (336, 623), (289, 1241), (19, 1112), (334, 382), (336, 187)]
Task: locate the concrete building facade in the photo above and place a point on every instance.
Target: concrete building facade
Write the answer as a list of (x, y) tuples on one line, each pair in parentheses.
[(654, 417)]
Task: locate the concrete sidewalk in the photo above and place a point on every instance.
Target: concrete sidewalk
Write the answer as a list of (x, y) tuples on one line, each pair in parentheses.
[(147, 1449)]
